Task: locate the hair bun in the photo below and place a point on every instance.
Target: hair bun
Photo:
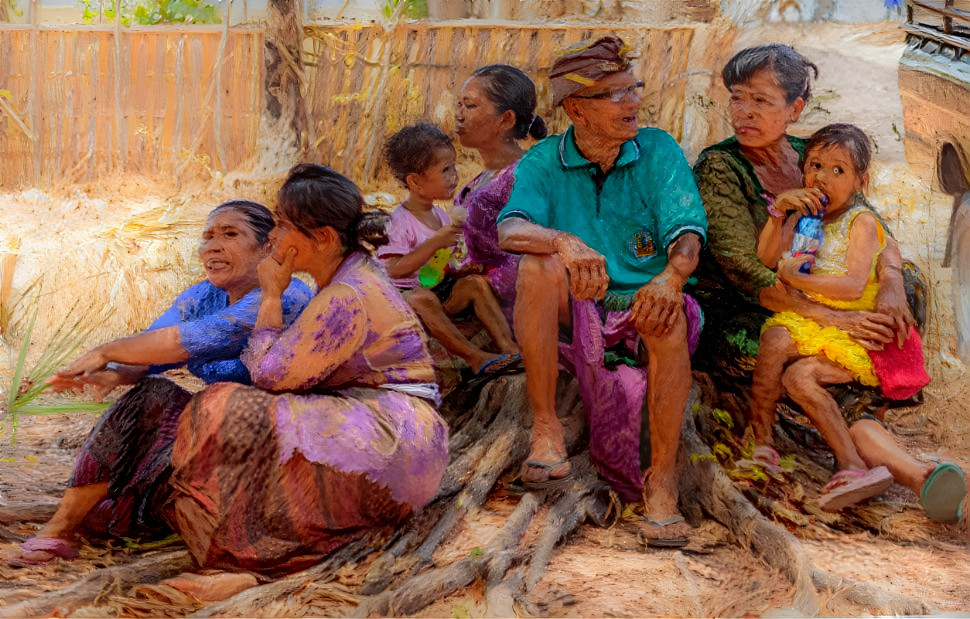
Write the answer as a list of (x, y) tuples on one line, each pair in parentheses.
[(372, 227), (537, 128)]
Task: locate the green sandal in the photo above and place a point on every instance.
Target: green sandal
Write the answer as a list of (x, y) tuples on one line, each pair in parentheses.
[(943, 491)]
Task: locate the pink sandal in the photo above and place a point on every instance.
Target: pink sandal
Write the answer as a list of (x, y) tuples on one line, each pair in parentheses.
[(54, 546), (851, 486)]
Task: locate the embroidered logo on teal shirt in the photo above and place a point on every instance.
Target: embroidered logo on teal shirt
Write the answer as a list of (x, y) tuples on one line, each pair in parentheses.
[(642, 244)]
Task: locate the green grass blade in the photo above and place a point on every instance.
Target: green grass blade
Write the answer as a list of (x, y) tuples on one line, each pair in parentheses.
[(67, 407), (27, 386), (18, 371)]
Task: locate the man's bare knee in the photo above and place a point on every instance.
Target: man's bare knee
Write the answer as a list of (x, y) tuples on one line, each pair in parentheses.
[(541, 269), (673, 339), (540, 276)]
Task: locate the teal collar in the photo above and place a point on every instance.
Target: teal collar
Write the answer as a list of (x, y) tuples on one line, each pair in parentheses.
[(570, 157)]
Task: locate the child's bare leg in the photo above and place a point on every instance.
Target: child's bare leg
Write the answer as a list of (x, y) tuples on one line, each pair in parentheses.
[(878, 448), (805, 381), (429, 309), (475, 290), (775, 350)]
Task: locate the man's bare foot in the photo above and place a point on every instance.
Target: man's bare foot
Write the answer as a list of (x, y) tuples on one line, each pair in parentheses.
[(663, 522), (670, 533), (212, 587), (536, 472), (547, 461)]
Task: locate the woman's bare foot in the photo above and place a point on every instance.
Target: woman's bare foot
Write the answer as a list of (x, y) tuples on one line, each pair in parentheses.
[(212, 587), (42, 550), (56, 538)]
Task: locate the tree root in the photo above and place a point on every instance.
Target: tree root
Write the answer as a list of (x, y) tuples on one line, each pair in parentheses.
[(488, 439), (244, 603), (876, 599), (27, 512), (149, 569), (709, 485), (492, 440), (565, 511)]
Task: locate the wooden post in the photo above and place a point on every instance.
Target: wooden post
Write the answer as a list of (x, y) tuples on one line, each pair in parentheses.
[(36, 98), (120, 129), (217, 111), (284, 62), (443, 10)]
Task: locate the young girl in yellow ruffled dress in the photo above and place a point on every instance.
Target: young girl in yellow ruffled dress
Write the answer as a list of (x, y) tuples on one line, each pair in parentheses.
[(842, 276)]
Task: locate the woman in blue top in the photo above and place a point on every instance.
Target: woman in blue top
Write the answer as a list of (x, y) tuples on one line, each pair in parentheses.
[(120, 476)]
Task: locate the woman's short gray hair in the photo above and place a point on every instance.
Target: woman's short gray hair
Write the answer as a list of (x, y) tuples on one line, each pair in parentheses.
[(792, 71)]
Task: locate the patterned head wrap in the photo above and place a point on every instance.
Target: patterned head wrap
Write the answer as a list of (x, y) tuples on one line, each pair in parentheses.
[(587, 62)]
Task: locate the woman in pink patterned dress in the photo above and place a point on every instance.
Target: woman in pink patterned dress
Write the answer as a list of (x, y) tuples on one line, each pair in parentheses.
[(338, 435)]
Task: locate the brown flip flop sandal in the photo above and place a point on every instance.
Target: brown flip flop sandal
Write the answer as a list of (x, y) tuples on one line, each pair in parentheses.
[(551, 483), (664, 542)]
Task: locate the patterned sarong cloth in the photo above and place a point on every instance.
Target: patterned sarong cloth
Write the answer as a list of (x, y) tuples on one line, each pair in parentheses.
[(130, 447), (247, 497), (613, 398), (337, 437), (484, 202)]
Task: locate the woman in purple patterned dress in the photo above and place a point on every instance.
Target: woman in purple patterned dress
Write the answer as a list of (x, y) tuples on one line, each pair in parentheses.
[(496, 109), (339, 434)]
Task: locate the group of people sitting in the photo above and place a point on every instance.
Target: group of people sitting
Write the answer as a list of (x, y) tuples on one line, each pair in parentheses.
[(600, 249)]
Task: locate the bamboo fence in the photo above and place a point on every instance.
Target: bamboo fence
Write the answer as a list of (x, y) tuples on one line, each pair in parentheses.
[(365, 82), (80, 101)]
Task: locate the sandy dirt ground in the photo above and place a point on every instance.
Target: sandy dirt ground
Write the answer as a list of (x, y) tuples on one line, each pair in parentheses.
[(604, 572), (596, 572)]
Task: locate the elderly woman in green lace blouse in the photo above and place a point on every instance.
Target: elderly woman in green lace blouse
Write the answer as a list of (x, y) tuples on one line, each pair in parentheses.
[(738, 180)]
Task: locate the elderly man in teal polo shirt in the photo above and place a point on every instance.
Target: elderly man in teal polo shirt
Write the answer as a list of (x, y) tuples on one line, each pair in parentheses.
[(610, 224)]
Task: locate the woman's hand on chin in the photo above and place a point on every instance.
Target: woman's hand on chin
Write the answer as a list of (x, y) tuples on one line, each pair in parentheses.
[(274, 276)]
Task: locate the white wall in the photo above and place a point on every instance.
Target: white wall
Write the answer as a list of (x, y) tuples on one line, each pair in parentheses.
[(753, 12)]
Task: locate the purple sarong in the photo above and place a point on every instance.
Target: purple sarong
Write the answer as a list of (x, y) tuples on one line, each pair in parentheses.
[(483, 203), (613, 398)]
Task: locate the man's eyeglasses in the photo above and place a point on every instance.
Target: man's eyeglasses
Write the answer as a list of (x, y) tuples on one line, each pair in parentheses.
[(614, 94)]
